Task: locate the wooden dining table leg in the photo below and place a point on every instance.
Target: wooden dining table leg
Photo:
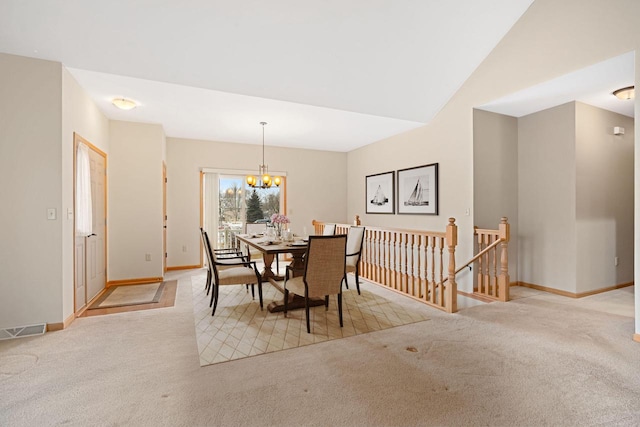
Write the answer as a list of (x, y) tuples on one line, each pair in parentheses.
[(297, 263), (267, 272), (295, 301)]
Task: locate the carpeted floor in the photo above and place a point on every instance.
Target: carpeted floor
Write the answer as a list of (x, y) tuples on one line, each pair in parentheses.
[(539, 360), (240, 329)]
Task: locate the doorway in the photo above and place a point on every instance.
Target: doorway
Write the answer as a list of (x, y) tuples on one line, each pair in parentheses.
[(90, 247), (164, 217)]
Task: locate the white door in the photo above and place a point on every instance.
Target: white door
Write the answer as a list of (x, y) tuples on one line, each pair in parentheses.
[(95, 245), (90, 251), (80, 288)]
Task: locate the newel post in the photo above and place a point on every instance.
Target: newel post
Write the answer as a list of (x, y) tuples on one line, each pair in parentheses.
[(503, 280), (451, 291)]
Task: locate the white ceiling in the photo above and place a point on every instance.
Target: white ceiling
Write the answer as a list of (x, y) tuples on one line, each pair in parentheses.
[(331, 75), (593, 85)]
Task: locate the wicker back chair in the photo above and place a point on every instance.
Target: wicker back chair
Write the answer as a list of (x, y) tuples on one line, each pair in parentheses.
[(323, 274)]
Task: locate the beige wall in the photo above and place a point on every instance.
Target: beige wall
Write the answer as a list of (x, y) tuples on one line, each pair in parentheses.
[(135, 200), (576, 198), (416, 148), (604, 198), (80, 115), (495, 176), (600, 225), (551, 39), (316, 186), (547, 198), (42, 107), (31, 246)]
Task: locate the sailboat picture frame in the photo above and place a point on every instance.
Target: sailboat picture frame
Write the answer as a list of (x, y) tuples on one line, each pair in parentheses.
[(418, 190), (380, 193)]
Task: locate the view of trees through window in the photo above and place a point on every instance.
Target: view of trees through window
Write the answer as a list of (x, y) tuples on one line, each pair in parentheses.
[(260, 203)]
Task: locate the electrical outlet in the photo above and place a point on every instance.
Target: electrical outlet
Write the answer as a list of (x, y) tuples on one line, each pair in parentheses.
[(51, 213), (184, 248), (147, 257)]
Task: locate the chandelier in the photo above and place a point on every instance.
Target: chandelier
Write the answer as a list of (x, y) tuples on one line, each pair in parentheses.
[(263, 180)]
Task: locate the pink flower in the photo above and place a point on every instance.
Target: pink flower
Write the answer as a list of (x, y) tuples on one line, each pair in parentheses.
[(279, 219)]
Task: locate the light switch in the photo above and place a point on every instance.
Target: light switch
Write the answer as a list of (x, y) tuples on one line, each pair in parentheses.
[(51, 213)]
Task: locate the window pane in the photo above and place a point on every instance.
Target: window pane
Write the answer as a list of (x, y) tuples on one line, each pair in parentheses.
[(231, 209)]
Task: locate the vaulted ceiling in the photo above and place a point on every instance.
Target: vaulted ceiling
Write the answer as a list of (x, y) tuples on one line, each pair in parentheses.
[(330, 75)]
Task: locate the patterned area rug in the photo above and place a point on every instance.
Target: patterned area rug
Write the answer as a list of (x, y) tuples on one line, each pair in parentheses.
[(239, 329)]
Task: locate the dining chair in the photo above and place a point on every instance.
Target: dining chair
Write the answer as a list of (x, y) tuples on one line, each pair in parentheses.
[(355, 238), (323, 273), (237, 271), (233, 251), (224, 260), (329, 230), (229, 253)]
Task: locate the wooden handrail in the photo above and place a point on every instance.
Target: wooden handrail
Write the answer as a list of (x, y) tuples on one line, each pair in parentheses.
[(316, 223), (411, 262), (491, 282), (475, 258)]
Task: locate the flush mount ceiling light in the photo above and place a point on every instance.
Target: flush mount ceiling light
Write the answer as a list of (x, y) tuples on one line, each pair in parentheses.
[(625, 93), (124, 103), (263, 180)]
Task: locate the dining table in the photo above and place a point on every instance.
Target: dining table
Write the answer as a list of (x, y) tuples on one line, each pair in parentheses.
[(271, 247)]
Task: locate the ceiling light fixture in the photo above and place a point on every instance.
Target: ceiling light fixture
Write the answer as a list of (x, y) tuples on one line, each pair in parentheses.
[(124, 103), (625, 93), (264, 179)]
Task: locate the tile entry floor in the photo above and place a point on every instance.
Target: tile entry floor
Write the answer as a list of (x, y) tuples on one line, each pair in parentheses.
[(240, 329)]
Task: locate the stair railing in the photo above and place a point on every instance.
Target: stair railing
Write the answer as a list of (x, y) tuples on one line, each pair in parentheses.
[(412, 262), (491, 245)]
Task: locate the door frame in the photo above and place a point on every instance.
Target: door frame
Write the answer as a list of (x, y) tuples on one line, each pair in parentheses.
[(164, 217), (76, 140)]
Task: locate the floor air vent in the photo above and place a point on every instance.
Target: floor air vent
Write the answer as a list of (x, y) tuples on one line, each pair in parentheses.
[(22, 331)]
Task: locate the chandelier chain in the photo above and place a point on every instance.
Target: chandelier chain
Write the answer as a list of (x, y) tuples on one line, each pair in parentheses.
[(263, 180)]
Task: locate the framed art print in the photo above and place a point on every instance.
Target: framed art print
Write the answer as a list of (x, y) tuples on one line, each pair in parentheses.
[(380, 193), (418, 190)]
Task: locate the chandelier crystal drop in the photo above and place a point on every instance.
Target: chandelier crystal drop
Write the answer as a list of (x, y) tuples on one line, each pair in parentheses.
[(263, 180)]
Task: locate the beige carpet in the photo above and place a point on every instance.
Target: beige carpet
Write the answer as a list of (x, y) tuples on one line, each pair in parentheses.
[(120, 296), (540, 360), (240, 329)]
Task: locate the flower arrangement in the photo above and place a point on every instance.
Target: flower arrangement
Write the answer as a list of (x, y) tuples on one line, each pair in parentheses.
[(279, 219)]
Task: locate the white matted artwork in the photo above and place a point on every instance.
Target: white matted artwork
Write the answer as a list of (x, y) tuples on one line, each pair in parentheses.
[(418, 190), (380, 193)]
